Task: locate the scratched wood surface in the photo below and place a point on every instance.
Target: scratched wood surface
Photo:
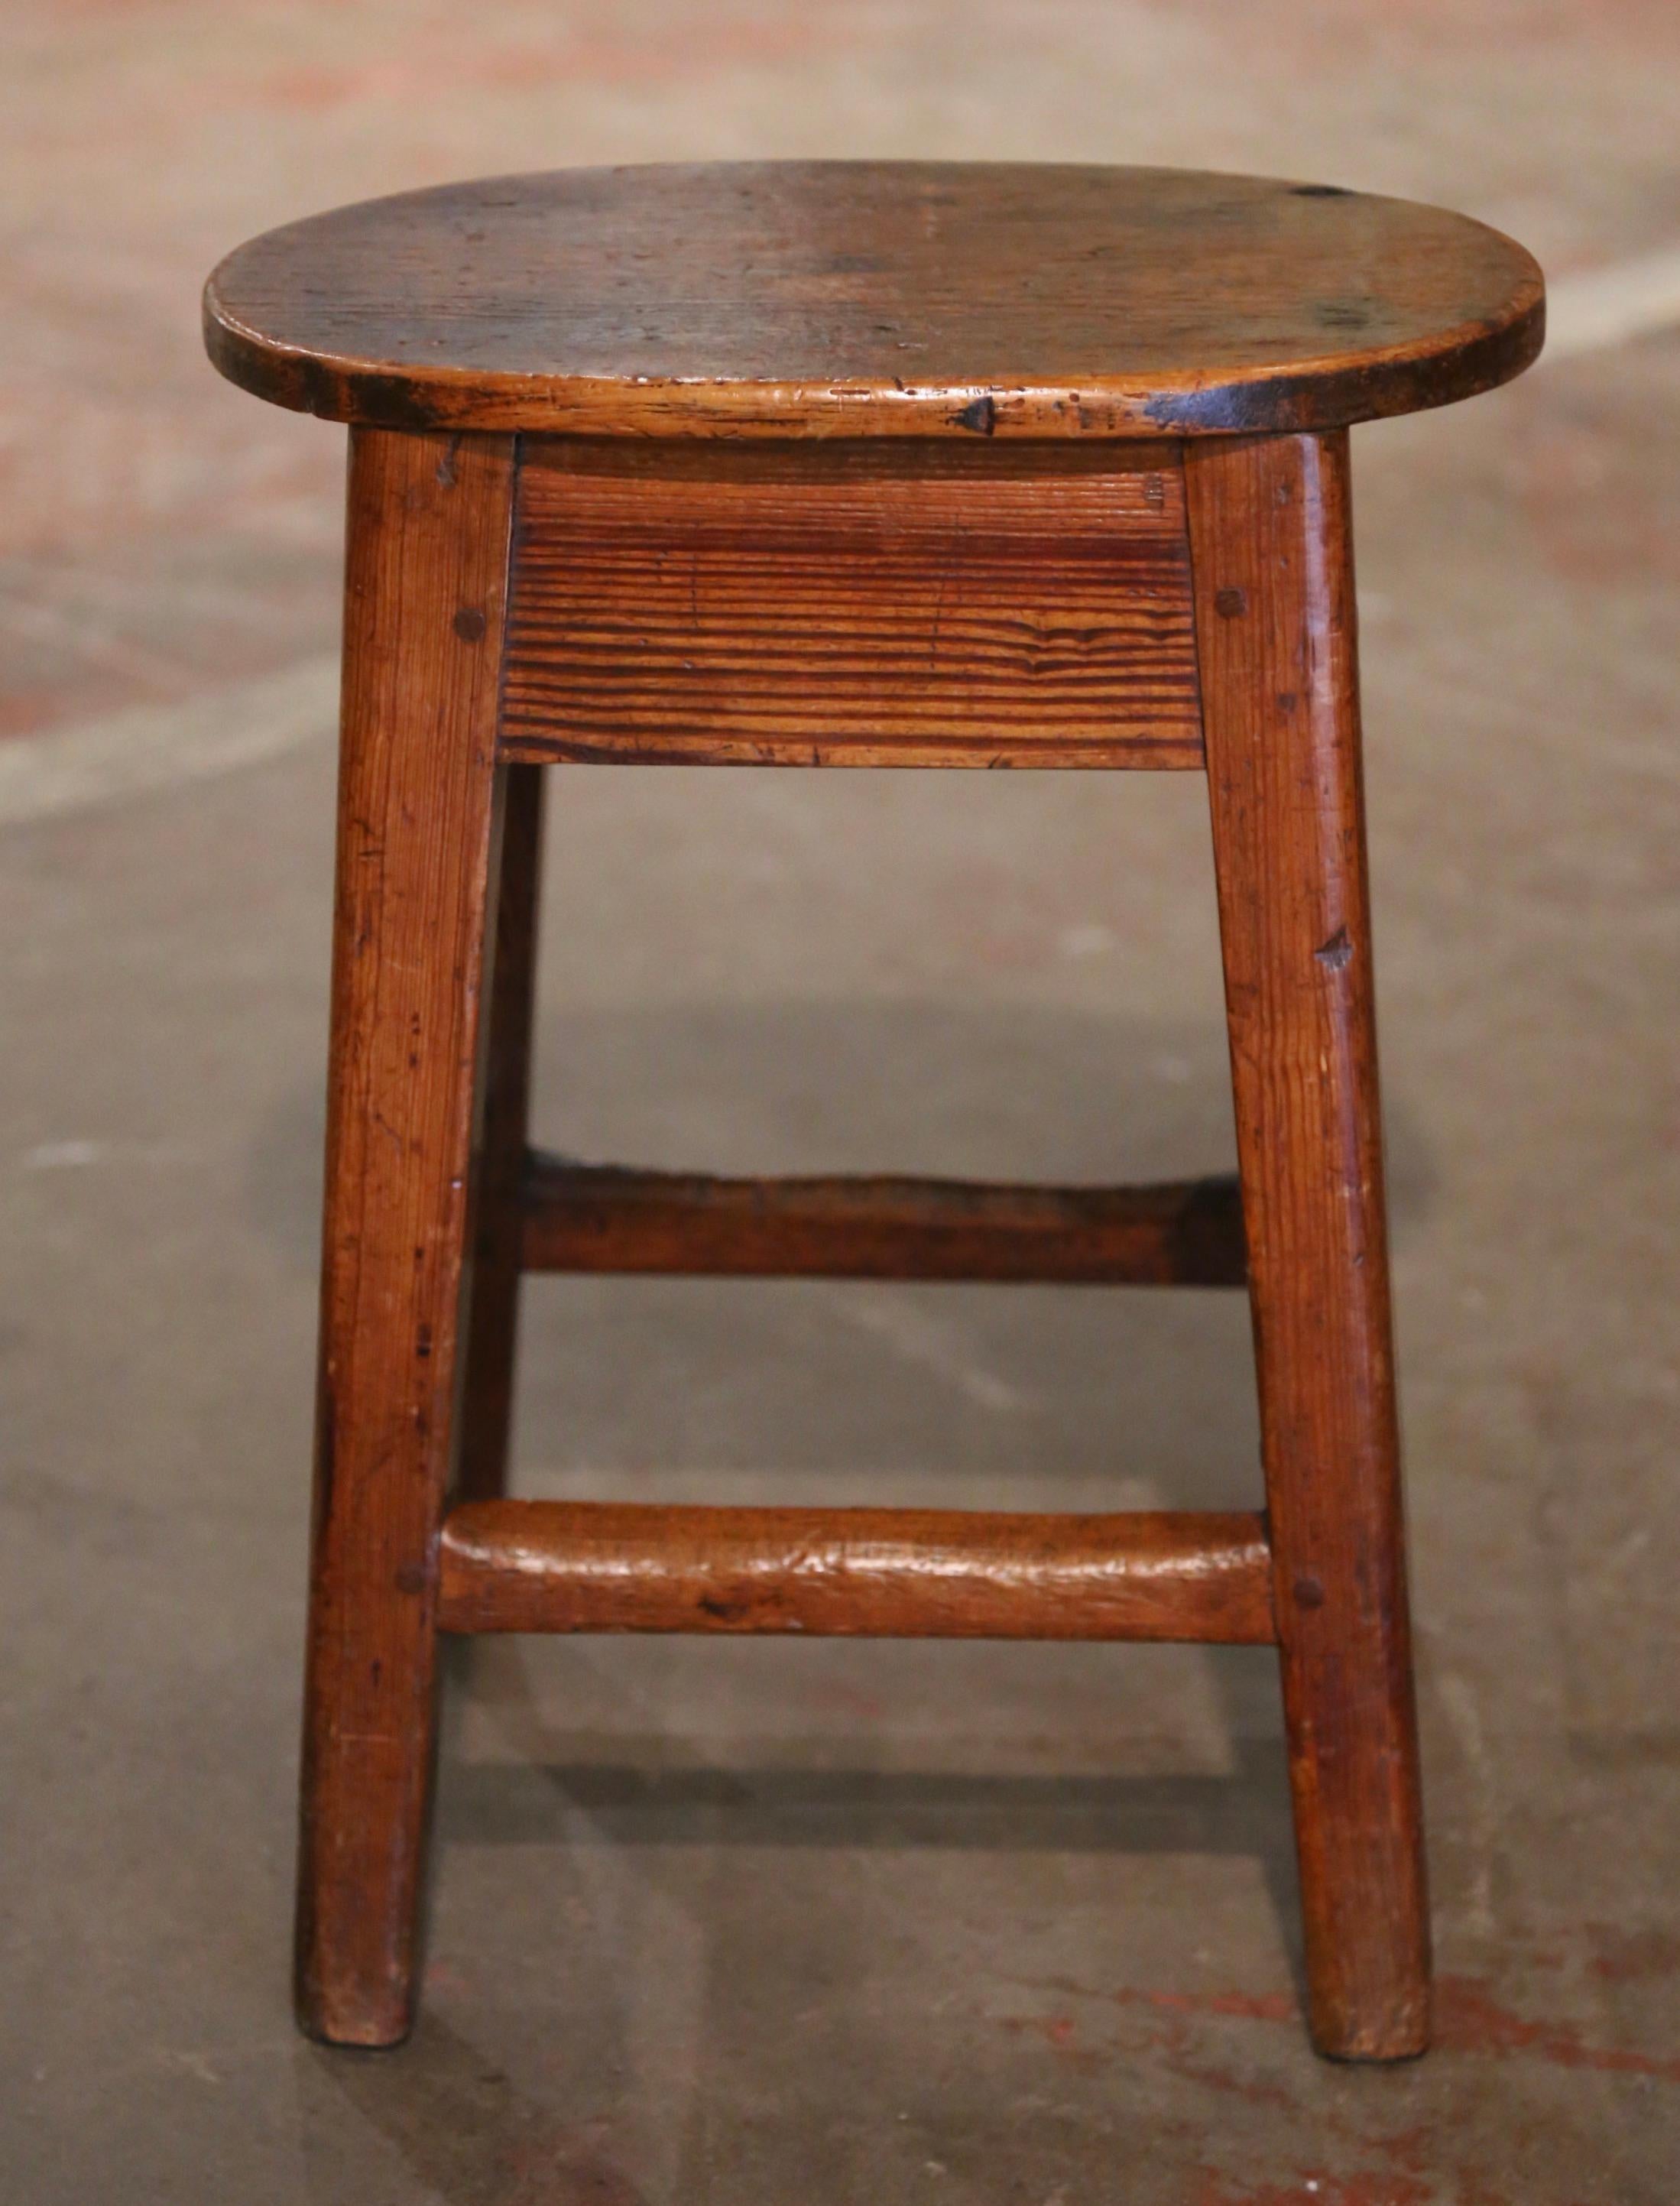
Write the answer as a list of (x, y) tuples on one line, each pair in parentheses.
[(601, 1218), (828, 297), (894, 1573), (851, 604), (1272, 535), (423, 593)]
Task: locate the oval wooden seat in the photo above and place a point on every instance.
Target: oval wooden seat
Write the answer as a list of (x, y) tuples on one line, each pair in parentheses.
[(861, 298)]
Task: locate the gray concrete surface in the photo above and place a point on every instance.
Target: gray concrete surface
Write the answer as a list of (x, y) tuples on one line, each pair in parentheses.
[(748, 1924)]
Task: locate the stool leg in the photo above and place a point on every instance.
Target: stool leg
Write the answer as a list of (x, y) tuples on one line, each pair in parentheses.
[(425, 584), (486, 1414), (1272, 554)]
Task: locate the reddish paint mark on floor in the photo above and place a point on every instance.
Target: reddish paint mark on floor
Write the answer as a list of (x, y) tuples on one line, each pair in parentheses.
[(1418, 2167), (1468, 2019), (1365, 2189), (1179, 2057), (1246, 2007), (1632, 1957), (1057, 2032)]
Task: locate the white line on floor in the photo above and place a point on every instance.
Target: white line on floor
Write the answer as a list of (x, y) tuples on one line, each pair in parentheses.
[(150, 747), (147, 746), (1612, 306)]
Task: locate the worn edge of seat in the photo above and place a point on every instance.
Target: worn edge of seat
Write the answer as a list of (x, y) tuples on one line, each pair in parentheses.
[(1320, 391)]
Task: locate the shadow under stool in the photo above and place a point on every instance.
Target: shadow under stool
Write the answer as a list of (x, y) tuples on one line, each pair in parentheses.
[(842, 463)]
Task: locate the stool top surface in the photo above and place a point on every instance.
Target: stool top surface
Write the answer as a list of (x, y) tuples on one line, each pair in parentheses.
[(814, 298)]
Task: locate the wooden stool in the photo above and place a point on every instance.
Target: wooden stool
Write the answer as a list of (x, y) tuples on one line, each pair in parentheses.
[(849, 464)]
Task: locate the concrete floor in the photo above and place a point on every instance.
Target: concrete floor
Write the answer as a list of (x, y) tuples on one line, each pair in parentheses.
[(746, 1925)]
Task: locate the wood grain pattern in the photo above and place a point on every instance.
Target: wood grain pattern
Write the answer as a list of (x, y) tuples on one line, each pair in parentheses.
[(850, 604), (598, 1217), (898, 1573), (487, 1399), (823, 298), (428, 546), (1271, 536)]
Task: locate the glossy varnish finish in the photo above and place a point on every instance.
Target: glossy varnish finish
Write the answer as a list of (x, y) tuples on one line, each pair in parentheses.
[(584, 1218), (1273, 551), (428, 535), (886, 1573), (967, 300), (850, 604), (851, 463)]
